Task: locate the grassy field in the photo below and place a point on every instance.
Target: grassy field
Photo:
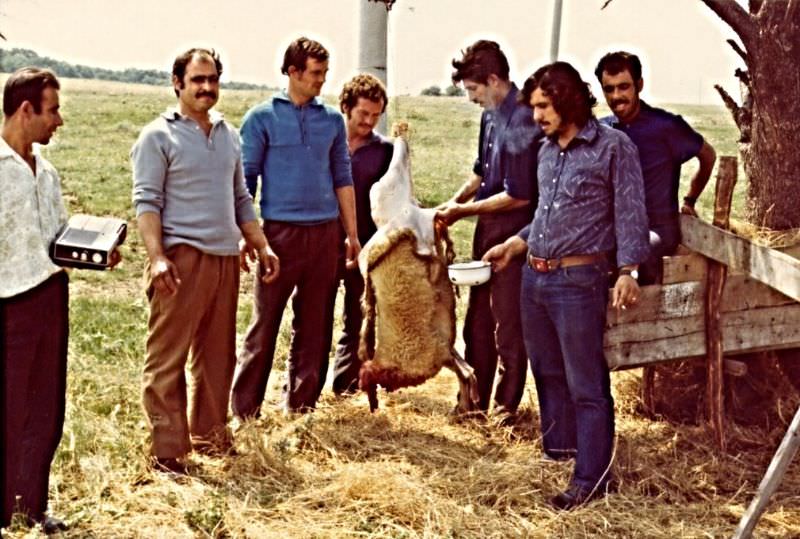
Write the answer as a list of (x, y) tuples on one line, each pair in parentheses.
[(406, 471)]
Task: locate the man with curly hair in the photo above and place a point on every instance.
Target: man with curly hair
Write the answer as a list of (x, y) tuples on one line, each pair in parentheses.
[(363, 100)]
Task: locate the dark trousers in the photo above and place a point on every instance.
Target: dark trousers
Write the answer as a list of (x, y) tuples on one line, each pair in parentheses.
[(492, 328), (563, 316), (665, 236), (308, 257), (33, 346), (346, 363)]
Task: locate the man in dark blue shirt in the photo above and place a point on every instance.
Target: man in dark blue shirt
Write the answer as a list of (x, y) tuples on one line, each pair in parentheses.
[(665, 141), (502, 193), (590, 210), (363, 100)]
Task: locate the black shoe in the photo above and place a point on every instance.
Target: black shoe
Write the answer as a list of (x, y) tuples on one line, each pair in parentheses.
[(575, 496), (169, 466), (51, 525)]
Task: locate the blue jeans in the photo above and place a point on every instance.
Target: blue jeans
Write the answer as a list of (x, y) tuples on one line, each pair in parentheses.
[(563, 318)]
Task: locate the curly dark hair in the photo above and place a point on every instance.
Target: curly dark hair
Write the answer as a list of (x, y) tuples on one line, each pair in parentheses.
[(363, 85), (299, 51), (571, 97), (481, 59), (616, 62), (183, 59), (27, 84)]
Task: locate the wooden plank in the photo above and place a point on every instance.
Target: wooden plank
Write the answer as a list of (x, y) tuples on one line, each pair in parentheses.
[(641, 343), (769, 483), (684, 268), (770, 266)]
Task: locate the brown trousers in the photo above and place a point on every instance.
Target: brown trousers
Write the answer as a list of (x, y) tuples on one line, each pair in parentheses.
[(197, 323)]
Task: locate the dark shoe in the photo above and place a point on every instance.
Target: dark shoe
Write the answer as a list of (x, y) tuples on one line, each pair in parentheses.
[(51, 525), (170, 466), (557, 457), (576, 496)]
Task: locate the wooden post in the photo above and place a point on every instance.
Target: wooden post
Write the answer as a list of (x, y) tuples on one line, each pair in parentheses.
[(777, 469), (717, 273)]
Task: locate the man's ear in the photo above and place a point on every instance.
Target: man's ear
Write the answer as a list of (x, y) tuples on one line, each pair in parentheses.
[(176, 83), (293, 71), (492, 80), (639, 85)]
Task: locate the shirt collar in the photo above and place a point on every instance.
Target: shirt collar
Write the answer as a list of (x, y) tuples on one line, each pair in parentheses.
[(283, 95), (586, 135), (7, 151), (509, 103), (172, 114), (644, 109)]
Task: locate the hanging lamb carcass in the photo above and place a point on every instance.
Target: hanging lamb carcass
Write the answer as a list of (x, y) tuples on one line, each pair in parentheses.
[(409, 327)]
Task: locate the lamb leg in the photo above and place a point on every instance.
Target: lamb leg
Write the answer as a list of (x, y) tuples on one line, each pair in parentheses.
[(467, 384)]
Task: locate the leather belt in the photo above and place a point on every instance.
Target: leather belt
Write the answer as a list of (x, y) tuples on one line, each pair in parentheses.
[(543, 265)]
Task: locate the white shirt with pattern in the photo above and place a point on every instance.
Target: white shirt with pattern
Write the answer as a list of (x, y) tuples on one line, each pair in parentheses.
[(31, 213)]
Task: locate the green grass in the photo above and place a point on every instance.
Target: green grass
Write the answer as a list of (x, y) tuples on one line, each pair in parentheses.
[(342, 472)]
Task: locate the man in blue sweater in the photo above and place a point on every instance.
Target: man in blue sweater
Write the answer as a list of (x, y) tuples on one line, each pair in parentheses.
[(298, 146)]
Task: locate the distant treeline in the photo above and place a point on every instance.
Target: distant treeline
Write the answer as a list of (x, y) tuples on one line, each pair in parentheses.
[(13, 59)]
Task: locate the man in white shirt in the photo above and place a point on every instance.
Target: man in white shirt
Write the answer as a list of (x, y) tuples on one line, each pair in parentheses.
[(33, 297)]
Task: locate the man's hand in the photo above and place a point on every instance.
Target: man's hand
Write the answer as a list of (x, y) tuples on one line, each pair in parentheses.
[(164, 275), (448, 212), (265, 256), (500, 255), (114, 258), (625, 293), (688, 210), (352, 249)]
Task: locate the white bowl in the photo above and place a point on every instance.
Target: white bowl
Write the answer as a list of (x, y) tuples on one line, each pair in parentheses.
[(470, 273)]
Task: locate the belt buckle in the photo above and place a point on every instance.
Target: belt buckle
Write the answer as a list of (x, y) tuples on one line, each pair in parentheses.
[(540, 264)]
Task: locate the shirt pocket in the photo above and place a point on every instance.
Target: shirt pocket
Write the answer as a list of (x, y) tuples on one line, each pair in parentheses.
[(587, 182), (286, 132)]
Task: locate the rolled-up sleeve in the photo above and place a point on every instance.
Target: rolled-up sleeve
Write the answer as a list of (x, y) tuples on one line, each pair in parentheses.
[(340, 157), (630, 214), (149, 163)]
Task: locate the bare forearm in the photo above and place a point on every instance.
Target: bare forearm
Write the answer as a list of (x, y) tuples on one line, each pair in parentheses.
[(495, 203), (253, 234), (149, 224), (707, 157), (467, 190)]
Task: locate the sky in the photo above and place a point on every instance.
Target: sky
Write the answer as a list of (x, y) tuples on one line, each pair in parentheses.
[(681, 42)]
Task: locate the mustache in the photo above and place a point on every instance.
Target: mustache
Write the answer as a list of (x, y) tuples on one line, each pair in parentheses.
[(204, 94), (615, 102)]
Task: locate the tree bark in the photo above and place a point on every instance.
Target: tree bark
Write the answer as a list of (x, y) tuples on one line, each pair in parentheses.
[(770, 33)]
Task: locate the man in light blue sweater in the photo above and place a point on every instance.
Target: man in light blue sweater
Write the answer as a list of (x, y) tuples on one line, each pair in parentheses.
[(192, 208), (298, 146)]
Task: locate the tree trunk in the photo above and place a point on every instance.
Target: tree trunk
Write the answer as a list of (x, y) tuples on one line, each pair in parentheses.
[(769, 116)]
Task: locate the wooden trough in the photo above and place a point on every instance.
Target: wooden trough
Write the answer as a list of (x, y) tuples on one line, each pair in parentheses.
[(722, 295)]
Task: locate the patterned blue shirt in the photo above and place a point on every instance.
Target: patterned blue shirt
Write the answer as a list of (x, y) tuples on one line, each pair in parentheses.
[(301, 155), (665, 141), (591, 198)]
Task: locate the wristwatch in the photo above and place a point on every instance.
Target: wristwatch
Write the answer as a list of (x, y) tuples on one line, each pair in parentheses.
[(632, 272)]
